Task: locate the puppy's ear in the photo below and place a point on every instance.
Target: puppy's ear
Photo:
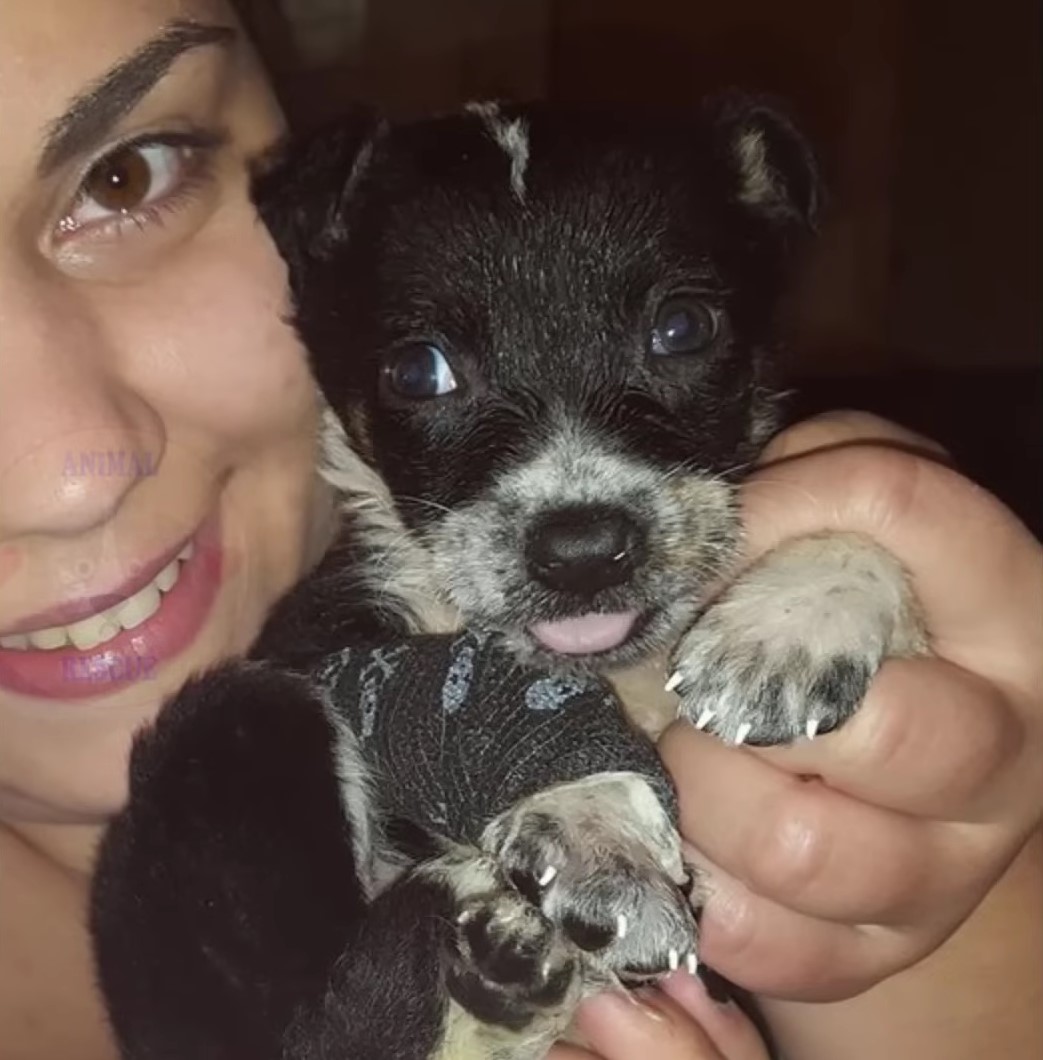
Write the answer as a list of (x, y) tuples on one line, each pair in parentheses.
[(305, 187), (768, 167)]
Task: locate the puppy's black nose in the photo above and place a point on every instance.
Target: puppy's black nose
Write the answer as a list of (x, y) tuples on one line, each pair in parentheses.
[(585, 549)]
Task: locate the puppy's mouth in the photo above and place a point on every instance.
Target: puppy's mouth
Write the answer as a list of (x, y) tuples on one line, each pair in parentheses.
[(586, 634)]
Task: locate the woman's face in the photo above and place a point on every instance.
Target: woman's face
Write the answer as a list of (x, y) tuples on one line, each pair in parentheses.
[(153, 402)]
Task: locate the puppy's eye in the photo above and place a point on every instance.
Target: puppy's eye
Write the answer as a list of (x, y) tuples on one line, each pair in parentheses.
[(420, 371), (684, 324)]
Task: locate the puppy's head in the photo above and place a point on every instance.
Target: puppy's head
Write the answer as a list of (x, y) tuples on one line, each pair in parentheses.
[(551, 334)]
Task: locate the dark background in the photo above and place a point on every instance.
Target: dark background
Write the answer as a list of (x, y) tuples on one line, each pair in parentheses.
[(922, 300)]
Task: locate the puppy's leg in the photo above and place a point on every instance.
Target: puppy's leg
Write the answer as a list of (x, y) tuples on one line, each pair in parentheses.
[(790, 648), (507, 964), (550, 760), (501, 980), (602, 858), (230, 885)]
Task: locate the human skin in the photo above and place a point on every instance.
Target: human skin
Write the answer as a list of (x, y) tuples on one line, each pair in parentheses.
[(677, 1022)]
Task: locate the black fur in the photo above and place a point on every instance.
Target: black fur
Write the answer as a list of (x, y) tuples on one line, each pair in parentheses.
[(542, 302), (228, 889), (228, 906)]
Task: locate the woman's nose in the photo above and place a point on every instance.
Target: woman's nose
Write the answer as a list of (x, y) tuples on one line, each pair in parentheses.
[(75, 439)]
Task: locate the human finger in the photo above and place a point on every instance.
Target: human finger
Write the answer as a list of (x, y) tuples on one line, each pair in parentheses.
[(930, 740), (977, 571), (839, 427), (797, 842), (724, 1023), (649, 1023), (776, 951)]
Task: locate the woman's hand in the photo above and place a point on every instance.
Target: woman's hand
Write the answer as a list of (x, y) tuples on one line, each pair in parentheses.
[(678, 1022), (821, 888)]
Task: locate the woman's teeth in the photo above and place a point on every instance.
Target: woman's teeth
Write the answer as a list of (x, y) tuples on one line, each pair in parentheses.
[(97, 629)]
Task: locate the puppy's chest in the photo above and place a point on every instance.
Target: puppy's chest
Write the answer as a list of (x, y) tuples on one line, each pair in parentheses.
[(641, 690)]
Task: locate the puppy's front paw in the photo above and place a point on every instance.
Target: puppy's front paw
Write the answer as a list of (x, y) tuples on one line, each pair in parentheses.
[(789, 650), (506, 963), (601, 858)]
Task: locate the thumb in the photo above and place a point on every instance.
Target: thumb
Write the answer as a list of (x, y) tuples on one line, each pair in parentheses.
[(725, 1024), (650, 1023)]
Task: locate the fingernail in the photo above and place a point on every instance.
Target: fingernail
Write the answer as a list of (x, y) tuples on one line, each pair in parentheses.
[(645, 998), (692, 994), (624, 1005)]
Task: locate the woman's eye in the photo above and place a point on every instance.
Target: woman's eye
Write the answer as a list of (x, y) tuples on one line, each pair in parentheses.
[(137, 178), (420, 371), (684, 324), (127, 180)]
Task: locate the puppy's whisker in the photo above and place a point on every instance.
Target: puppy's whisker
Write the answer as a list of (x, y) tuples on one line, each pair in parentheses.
[(424, 503)]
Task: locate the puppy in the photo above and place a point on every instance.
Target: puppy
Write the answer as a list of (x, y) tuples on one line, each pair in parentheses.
[(548, 345), (554, 338)]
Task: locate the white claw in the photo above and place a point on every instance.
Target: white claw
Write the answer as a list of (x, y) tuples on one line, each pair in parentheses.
[(812, 728), (548, 875), (692, 963), (674, 959), (704, 719), (675, 680), (743, 731), (621, 926)]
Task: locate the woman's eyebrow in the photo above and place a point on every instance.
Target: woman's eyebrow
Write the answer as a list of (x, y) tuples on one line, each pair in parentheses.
[(93, 113)]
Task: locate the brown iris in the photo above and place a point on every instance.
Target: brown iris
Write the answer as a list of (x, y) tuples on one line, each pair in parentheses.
[(120, 182)]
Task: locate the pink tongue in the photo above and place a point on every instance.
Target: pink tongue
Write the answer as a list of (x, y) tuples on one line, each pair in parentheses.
[(585, 634)]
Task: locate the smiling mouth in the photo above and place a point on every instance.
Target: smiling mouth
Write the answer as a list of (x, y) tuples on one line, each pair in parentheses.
[(592, 633), (125, 641), (97, 629)]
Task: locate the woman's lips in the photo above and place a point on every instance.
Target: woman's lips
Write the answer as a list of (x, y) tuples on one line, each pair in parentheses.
[(134, 656), (67, 614)]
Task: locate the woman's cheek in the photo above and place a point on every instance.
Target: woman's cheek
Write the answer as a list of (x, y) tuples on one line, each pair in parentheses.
[(207, 340)]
